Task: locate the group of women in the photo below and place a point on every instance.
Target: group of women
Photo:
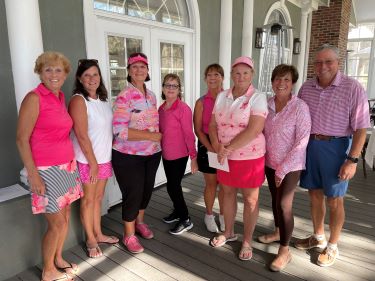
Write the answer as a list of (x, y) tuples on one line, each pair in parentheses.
[(70, 153)]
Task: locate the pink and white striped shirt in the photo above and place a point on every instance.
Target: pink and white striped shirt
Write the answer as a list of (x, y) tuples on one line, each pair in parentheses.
[(338, 110), (287, 134)]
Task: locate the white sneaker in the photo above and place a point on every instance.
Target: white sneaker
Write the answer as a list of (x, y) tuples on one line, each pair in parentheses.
[(211, 225), (222, 223)]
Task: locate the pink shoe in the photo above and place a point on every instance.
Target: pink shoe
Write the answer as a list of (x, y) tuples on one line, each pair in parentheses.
[(132, 244), (143, 230)]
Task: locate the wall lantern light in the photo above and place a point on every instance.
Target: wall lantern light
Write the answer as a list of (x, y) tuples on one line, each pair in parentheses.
[(296, 46), (259, 38)]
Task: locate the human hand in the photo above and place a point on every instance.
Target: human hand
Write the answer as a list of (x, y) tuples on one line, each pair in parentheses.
[(278, 181), (156, 136), (347, 170), (94, 171), (194, 165), (37, 184)]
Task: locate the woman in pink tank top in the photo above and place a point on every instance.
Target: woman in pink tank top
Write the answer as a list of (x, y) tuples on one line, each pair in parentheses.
[(213, 75), (47, 152)]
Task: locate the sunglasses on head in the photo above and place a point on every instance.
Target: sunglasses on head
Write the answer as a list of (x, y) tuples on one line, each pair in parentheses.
[(87, 60)]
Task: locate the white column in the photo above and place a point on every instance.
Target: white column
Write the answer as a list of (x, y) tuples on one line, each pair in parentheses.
[(301, 57), (25, 42), (247, 28), (226, 39)]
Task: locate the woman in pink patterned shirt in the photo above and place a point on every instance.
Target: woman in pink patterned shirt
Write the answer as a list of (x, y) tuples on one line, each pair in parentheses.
[(136, 150), (236, 133), (287, 133)]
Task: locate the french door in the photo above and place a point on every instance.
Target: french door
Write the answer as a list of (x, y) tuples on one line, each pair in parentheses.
[(169, 51)]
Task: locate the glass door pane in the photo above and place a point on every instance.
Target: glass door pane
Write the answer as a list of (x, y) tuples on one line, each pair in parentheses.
[(172, 61), (119, 49)]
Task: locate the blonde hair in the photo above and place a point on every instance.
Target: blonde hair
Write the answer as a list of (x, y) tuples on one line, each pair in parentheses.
[(51, 58)]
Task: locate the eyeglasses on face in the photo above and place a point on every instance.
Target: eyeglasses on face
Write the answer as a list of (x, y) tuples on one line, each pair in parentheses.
[(171, 86), (87, 60)]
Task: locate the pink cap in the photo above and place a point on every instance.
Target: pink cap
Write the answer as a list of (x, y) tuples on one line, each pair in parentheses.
[(246, 60), (135, 59)]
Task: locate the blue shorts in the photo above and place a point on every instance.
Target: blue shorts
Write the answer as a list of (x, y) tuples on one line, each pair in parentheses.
[(323, 162)]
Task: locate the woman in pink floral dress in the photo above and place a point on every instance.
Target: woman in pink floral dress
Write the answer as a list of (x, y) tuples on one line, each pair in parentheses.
[(287, 132), (47, 153)]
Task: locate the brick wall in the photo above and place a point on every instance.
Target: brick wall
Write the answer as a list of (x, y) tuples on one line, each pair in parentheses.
[(330, 25)]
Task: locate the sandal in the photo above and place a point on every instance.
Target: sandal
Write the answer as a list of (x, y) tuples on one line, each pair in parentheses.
[(246, 253), (268, 238), (221, 240), (110, 240), (65, 277), (71, 269), (279, 263), (93, 252)]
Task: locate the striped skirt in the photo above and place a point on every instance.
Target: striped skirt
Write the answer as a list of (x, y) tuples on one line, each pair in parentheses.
[(62, 188)]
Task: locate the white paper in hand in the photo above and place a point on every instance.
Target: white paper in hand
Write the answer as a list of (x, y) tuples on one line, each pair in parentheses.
[(212, 161)]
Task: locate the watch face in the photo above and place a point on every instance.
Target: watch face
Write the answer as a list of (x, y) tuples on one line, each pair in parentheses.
[(354, 160)]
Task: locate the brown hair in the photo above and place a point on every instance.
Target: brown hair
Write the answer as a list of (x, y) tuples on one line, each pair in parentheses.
[(283, 69), (128, 78), (51, 58), (172, 76), (214, 67)]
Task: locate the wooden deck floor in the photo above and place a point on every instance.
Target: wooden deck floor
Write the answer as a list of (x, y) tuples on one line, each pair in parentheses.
[(189, 257)]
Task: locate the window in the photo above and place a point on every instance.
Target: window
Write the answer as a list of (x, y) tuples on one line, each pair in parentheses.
[(277, 44), (166, 11), (359, 47)]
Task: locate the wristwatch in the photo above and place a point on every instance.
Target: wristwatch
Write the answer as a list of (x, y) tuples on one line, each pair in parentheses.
[(352, 159)]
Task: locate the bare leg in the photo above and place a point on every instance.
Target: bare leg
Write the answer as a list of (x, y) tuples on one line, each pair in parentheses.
[(50, 243), (318, 210), (210, 192), (230, 209), (221, 199), (141, 216), (87, 213), (99, 194), (129, 228), (250, 213), (59, 260), (336, 218)]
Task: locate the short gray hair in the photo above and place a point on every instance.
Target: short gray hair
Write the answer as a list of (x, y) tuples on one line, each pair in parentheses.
[(329, 47)]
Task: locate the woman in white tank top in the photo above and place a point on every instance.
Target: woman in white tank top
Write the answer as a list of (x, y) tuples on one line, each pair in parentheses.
[(92, 140)]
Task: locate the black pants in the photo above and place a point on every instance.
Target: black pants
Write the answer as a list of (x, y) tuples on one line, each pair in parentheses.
[(135, 175), (174, 171), (282, 202)]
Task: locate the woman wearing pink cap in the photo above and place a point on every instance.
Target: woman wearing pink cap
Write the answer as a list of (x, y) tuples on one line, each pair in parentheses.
[(136, 150), (236, 133)]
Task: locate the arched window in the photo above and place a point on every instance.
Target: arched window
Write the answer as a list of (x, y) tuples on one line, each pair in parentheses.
[(277, 45), (166, 11)]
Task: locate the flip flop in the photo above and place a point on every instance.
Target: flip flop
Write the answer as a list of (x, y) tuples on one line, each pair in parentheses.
[(110, 240), (222, 240), (90, 252), (244, 250), (72, 268), (66, 277)]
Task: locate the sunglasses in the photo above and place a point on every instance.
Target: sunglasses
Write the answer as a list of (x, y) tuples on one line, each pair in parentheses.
[(87, 60)]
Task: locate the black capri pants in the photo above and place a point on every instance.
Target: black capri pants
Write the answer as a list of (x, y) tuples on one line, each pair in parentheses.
[(135, 175)]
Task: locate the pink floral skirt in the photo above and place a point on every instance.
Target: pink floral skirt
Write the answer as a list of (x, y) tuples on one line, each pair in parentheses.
[(105, 171), (63, 187)]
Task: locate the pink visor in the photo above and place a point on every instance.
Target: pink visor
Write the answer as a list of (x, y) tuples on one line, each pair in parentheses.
[(245, 60), (138, 58)]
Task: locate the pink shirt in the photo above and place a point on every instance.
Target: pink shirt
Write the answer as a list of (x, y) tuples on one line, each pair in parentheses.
[(338, 110), (133, 109), (208, 105), (287, 135), (176, 125), (50, 141), (232, 117)]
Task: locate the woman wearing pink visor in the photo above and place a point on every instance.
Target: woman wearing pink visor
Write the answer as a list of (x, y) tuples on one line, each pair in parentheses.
[(236, 132)]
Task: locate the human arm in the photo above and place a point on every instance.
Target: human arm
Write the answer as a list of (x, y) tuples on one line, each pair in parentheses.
[(78, 111), (198, 126), (28, 116), (348, 168)]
